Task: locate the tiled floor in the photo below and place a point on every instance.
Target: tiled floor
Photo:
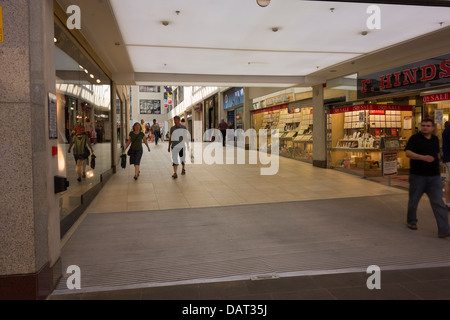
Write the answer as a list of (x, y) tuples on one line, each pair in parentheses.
[(223, 185), (204, 235)]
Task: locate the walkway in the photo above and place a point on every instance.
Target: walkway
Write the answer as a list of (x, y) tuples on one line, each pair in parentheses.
[(221, 226)]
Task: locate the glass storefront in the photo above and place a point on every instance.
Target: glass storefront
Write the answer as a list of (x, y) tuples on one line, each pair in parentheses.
[(83, 103), (360, 135)]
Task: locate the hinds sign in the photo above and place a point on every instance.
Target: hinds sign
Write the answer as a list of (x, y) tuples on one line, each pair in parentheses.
[(425, 74)]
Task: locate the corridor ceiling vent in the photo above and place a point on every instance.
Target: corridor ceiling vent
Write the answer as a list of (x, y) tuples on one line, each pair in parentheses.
[(263, 3)]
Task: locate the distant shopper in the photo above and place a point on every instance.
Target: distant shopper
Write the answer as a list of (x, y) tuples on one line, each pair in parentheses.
[(156, 131), (223, 126), (143, 126), (162, 134), (89, 128), (80, 142), (446, 161), (135, 139), (177, 144), (423, 150)]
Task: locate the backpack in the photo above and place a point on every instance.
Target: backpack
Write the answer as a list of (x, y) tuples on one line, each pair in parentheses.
[(80, 145)]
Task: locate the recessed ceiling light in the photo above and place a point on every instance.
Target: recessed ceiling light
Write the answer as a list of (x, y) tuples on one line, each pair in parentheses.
[(263, 3), (55, 40), (85, 70), (275, 29), (99, 81), (165, 23), (92, 76), (364, 33)]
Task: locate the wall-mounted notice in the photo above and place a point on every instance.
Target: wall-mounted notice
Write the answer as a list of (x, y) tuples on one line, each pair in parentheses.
[(1, 25), (52, 117)]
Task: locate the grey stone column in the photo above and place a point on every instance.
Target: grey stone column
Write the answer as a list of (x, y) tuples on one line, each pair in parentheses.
[(29, 214), (319, 128), (247, 107)]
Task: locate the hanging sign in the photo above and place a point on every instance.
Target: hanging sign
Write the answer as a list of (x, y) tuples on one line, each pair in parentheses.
[(1, 25)]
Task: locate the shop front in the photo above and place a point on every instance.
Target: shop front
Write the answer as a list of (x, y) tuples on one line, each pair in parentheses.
[(437, 106), (290, 121), (390, 105), (85, 102), (211, 113), (361, 134)]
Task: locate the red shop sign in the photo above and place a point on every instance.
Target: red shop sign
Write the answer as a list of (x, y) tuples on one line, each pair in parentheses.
[(271, 109), (436, 97), (362, 107)]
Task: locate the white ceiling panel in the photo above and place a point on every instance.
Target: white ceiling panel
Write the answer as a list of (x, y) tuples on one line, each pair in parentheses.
[(221, 37), (229, 62)]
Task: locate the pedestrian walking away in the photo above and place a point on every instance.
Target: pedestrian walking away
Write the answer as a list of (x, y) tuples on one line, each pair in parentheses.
[(223, 126), (155, 130), (423, 150), (80, 142), (177, 145), (135, 140)]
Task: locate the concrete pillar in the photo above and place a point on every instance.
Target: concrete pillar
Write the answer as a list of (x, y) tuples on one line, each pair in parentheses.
[(29, 219), (247, 107), (319, 128), (222, 113)]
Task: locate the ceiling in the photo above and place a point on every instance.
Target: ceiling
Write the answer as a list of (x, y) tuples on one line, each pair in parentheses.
[(232, 42)]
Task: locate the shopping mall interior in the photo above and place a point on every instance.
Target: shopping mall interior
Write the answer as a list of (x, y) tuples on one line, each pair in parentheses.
[(307, 189)]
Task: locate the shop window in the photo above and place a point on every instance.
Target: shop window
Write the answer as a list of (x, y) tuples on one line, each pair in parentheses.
[(84, 104), (359, 135)]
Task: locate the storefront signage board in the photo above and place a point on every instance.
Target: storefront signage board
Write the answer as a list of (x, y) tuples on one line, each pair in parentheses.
[(271, 109), (233, 97), (1, 25), (436, 97), (424, 74), (372, 107), (278, 100)]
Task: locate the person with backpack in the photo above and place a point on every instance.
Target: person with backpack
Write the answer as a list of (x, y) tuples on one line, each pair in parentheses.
[(81, 142)]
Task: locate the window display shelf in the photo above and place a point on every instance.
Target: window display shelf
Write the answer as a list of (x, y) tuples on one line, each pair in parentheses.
[(367, 150)]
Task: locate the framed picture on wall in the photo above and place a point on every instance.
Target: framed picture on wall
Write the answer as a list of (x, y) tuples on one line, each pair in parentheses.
[(149, 89), (147, 106)]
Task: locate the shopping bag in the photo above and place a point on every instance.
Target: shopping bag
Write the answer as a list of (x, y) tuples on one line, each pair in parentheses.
[(123, 160), (93, 161)]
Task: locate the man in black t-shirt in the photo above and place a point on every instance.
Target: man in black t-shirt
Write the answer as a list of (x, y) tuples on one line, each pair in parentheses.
[(423, 150)]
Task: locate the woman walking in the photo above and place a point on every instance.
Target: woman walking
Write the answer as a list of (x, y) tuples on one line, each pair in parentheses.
[(135, 139)]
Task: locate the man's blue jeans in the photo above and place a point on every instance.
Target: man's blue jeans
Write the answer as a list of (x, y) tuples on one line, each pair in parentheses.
[(432, 186)]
